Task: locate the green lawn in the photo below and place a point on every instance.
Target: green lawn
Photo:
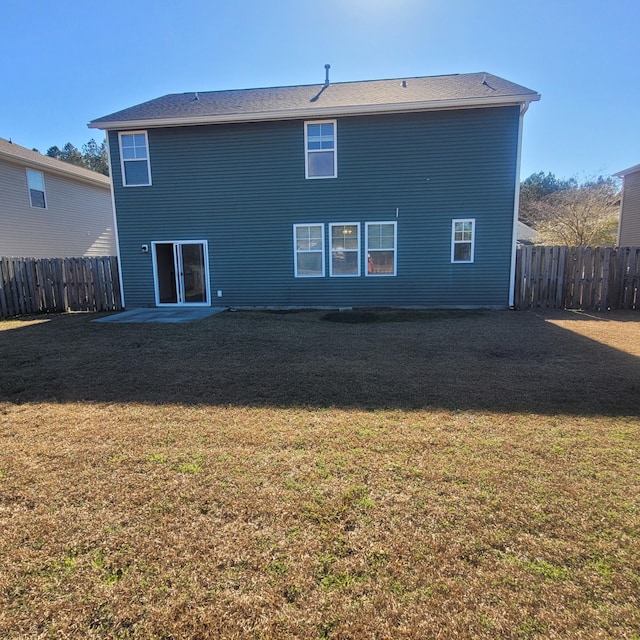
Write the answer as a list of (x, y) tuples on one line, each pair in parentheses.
[(276, 475)]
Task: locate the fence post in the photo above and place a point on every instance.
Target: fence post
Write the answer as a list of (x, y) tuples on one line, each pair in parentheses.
[(517, 285), (606, 275), (633, 279), (5, 303)]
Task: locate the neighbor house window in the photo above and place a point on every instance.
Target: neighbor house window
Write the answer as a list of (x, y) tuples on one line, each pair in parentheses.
[(463, 240), (320, 149), (134, 155), (308, 249), (35, 182), (381, 248), (345, 249)]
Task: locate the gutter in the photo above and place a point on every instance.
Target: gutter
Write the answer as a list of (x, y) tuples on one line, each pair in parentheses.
[(317, 112), (115, 224), (626, 172), (516, 208)]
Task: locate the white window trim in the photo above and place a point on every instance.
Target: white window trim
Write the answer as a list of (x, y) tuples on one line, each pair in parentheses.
[(395, 249), (44, 190), (307, 152), (296, 251), (344, 275), (122, 160), (454, 242)]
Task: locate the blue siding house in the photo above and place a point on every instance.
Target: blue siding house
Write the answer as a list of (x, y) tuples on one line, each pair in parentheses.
[(377, 193)]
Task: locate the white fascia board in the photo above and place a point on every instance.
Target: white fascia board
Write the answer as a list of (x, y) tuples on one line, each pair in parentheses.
[(98, 181), (323, 112), (624, 172)]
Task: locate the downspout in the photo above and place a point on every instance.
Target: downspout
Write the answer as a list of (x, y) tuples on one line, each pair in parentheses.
[(516, 205), (115, 221)]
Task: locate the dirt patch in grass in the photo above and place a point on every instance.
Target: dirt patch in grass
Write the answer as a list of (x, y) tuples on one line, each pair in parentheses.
[(305, 498)]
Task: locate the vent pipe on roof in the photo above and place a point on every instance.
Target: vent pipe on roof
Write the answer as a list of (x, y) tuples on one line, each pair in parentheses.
[(326, 78), (486, 84)]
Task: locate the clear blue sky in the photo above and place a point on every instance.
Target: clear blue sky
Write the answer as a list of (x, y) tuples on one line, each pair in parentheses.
[(65, 62)]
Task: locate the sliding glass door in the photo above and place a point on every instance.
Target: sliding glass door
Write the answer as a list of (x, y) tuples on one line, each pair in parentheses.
[(181, 273)]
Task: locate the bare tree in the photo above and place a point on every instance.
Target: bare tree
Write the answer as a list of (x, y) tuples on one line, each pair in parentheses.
[(575, 214)]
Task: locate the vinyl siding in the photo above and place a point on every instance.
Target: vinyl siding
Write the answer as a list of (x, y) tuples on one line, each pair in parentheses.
[(630, 211), (78, 220), (242, 188)]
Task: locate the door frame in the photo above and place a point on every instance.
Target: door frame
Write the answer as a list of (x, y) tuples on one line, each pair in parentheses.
[(180, 285)]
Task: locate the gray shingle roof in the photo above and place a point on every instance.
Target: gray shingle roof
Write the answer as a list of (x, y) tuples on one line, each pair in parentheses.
[(342, 98), (15, 153)]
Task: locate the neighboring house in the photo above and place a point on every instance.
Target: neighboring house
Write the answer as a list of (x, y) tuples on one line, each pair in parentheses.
[(52, 209), (629, 226), (526, 234), (387, 192)]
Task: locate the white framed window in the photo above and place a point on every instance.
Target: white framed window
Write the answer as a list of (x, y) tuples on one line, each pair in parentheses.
[(308, 250), (321, 153), (463, 240), (380, 240), (37, 195), (134, 159), (345, 249)]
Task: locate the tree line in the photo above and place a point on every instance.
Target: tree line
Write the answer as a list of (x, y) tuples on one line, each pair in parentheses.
[(93, 156), (569, 212)]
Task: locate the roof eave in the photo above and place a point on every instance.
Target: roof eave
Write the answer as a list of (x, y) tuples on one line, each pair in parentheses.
[(318, 112), (624, 172), (96, 180)]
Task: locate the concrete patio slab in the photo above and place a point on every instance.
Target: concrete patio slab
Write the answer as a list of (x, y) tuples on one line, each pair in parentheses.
[(162, 315)]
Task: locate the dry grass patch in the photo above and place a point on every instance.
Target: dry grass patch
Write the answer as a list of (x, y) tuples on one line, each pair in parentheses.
[(354, 316), (269, 517)]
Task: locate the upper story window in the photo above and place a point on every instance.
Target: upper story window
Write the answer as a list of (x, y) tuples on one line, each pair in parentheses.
[(381, 248), (35, 182), (463, 240), (308, 250), (321, 157), (134, 157), (345, 249)]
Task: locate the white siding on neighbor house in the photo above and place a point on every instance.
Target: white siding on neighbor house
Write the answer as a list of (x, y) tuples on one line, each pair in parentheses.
[(78, 220), (629, 235)]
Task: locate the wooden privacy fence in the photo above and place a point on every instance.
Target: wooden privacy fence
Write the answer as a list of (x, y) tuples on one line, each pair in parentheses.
[(32, 285), (590, 278)]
